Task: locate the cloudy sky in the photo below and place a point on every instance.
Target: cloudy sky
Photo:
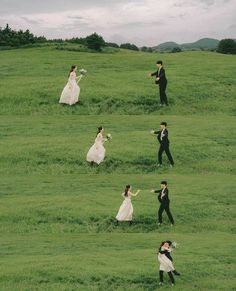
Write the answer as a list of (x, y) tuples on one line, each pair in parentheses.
[(143, 22)]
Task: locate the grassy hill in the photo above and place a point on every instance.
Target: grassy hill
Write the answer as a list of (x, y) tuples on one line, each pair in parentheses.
[(166, 46), (204, 43), (57, 212), (32, 80)]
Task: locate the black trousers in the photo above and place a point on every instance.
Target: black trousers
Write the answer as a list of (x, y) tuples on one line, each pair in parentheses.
[(166, 149), (170, 275), (162, 92), (166, 208)]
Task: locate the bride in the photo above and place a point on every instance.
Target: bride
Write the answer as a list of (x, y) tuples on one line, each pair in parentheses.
[(125, 212), (70, 94), (96, 153)]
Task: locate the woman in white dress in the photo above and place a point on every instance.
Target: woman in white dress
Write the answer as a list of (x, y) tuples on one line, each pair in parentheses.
[(70, 94), (96, 153), (126, 210), (166, 262)]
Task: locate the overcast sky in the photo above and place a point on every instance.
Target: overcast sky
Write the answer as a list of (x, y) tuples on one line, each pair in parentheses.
[(143, 22)]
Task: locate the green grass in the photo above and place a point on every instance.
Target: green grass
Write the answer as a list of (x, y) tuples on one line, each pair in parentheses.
[(57, 145), (57, 228), (114, 262), (32, 81), (55, 204)]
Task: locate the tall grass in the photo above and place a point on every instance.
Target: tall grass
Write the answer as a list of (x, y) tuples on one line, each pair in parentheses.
[(57, 228), (199, 82)]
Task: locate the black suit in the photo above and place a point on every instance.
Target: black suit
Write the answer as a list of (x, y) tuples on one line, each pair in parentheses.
[(162, 137), (162, 85), (164, 204)]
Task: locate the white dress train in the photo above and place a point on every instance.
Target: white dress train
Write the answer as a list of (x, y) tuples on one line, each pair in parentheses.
[(126, 210), (97, 151), (70, 93)]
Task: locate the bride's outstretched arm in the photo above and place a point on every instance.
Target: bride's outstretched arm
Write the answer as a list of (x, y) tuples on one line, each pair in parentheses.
[(79, 77), (135, 194)]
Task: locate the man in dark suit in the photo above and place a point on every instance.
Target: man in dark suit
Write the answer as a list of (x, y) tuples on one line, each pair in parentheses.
[(162, 136), (162, 82), (163, 197)]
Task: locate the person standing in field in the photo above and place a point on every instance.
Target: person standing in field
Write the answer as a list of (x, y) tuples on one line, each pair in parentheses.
[(96, 153), (162, 136), (126, 210), (166, 261), (70, 93), (163, 198), (162, 82)]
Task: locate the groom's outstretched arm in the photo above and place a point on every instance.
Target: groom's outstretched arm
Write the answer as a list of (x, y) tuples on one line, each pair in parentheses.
[(154, 74), (157, 191)]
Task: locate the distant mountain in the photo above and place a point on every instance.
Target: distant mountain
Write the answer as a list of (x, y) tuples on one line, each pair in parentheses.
[(166, 46), (204, 43)]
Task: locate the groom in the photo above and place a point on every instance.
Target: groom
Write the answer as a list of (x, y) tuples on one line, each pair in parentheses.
[(163, 197), (162, 81), (162, 136)]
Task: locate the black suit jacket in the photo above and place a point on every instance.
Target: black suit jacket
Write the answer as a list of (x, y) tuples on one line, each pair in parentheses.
[(164, 140), (166, 253), (165, 199), (162, 75)]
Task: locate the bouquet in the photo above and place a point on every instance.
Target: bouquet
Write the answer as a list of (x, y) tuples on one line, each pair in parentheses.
[(109, 137), (83, 71), (174, 245)]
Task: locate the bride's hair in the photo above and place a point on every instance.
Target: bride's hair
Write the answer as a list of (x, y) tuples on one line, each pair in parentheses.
[(162, 243), (72, 69), (99, 130), (127, 187)]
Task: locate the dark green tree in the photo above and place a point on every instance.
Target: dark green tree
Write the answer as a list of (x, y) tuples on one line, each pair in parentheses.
[(112, 44), (176, 50), (13, 38), (144, 49), (129, 46), (95, 42), (227, 46)]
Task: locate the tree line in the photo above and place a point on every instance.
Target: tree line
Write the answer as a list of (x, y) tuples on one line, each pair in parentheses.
[(20, 38), (13, 38)]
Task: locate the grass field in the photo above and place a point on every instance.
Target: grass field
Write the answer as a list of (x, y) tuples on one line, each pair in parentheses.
[(32, 81), (57, 212)]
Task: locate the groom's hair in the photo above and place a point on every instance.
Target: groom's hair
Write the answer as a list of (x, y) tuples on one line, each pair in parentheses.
[(164, 123), (164, 182), (159, 62)]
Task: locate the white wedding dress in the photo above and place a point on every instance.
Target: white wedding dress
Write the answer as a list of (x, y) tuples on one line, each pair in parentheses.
[(165, 264), (126, 210), (97, 151), (70, 94)]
